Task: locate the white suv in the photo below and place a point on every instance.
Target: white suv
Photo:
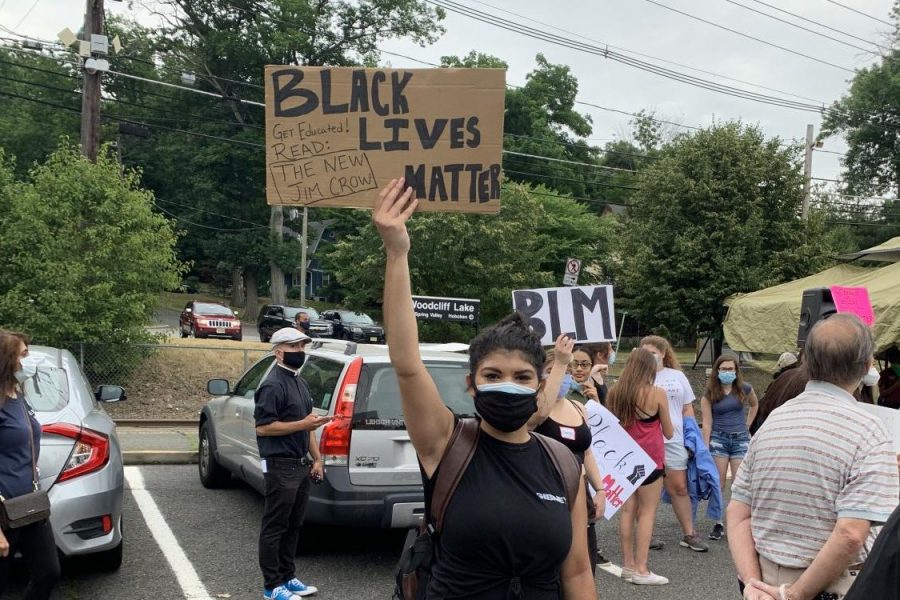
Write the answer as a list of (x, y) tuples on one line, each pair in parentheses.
[(372, 475)]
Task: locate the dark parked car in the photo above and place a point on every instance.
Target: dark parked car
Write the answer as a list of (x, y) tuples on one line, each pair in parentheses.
[(273, 317), (358, 327), (209, 319)]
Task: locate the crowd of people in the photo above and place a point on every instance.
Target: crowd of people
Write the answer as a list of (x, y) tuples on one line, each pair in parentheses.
[(816, 477), (816, 480)]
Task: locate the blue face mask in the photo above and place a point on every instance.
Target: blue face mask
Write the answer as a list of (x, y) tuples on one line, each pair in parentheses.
[(566, 385), (727, 377), (507, 387), (612, 358)]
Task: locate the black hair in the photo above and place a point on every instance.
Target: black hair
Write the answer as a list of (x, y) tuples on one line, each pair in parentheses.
[(511, 333)]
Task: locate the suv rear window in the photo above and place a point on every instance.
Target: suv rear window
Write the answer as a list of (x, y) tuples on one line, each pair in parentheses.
[(321, 376), (381, 407), (48, 390)]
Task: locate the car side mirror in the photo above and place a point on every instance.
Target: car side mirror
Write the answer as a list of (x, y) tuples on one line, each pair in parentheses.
[(236, 313), (110, 393), (218, 387), (187, 310)]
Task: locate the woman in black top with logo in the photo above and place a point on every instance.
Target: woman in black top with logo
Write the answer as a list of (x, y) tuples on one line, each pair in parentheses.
[(567, 424), (17, 424), (507, 530)]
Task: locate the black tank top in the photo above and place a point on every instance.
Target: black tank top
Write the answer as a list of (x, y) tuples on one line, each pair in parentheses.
[(507, 529), (577, 438)]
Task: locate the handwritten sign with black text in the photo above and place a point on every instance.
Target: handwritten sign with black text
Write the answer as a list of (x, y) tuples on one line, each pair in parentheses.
[(336, 136)]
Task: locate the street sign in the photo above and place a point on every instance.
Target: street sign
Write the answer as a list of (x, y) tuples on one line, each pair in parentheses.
[(457, 310), (573, 268)]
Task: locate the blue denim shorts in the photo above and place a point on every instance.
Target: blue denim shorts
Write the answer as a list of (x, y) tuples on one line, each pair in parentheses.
[(729, 445)]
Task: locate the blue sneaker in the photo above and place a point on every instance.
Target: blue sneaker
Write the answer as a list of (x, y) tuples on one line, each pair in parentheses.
[(296, 587), (279, 593)]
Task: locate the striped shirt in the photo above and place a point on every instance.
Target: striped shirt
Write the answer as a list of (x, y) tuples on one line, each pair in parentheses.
[(816, 459)]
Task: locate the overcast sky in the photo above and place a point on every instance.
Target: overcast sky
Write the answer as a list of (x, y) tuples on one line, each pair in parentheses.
[(632, 26)]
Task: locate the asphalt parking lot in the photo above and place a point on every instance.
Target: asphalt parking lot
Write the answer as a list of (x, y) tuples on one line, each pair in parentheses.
[(204, 547)]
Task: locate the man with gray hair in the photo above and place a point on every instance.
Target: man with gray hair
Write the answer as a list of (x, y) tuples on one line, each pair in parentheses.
[(819, 473)]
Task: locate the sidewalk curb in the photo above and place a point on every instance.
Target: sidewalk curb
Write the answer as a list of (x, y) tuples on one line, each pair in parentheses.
[(159, 457)]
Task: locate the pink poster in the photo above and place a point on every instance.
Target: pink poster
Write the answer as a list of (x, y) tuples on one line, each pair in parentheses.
[(854, 300)]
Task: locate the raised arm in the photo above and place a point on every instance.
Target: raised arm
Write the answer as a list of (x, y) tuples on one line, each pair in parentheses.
[(549, 394), (428, 421)]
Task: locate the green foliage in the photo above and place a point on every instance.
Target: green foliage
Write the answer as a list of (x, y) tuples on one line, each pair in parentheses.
[(868, 117), (717, 214), (85, 256), (294, 293), (477, 256)]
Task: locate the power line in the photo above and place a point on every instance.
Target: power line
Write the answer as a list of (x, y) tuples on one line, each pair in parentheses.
[(802, 18), (650, 56), (618, 57), (205, 211), (581, 181), (828, 151), (576, 145), (807, 29), (859, 12), (189, 222), (569, 162), (185, 88), (27, 13), (748, 36), (204, 75)]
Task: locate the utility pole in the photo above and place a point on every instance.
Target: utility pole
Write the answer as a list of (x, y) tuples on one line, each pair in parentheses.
[(276, 284), (90, 94), (807, 171), (303, 250)]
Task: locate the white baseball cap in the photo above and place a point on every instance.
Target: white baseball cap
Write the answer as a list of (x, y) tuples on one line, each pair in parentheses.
[(288, 335)]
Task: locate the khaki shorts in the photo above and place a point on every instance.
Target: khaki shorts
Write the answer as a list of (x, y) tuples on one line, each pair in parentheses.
[(777, 575)]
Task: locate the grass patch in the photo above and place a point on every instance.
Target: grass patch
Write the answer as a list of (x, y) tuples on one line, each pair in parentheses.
[(171, 381)]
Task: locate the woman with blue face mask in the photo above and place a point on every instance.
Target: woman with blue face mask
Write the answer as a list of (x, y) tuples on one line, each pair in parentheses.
[(20, 443), (726, 424), (509, 530)]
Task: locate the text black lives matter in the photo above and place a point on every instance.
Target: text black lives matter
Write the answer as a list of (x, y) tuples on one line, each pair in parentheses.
[(379, 100)]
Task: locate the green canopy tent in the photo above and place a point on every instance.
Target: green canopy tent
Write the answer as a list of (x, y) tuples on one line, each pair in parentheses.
[(766, 321)]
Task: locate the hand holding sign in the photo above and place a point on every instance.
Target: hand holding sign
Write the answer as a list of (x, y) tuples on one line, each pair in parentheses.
[(393, 209)]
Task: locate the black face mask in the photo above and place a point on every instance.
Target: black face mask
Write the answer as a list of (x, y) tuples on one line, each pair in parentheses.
[(505, 411), (294, 360)]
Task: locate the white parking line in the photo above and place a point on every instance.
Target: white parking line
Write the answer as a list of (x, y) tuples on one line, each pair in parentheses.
[(187, 577)]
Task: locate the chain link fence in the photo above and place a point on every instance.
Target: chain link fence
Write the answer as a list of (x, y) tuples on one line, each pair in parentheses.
[(162, 381)]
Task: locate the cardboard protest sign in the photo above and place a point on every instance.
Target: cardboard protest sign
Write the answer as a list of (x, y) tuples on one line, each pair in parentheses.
[(585, 313), (890, 417), (458, 310), (336, 135), (853, 300), (623, 463)]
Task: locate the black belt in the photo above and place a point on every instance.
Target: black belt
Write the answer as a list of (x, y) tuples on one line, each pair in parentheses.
[(288, 460)]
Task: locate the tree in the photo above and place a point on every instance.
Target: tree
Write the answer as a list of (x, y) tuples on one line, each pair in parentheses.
[(869, 118), (476, 256), (85, 256), (717, 214), (215, 187)]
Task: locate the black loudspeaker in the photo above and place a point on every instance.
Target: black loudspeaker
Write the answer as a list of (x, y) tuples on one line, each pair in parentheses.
[(817, 305)]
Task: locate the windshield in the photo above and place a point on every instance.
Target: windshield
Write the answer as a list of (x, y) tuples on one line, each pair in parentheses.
[(356, 318), (291, 313), (202, 308), (48, 390)]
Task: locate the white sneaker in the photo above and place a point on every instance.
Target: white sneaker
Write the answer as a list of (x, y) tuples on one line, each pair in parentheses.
[(627, 574), (649, 579)]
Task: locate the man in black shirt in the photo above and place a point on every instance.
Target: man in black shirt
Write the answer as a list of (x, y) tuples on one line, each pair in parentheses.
[(285, 434)]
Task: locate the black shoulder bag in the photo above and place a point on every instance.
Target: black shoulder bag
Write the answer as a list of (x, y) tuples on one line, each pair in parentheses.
[(31, 507)]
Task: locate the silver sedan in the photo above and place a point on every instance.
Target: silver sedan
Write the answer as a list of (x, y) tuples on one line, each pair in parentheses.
[(80, 459)]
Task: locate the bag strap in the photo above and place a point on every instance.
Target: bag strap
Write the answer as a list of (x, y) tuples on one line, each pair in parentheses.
[(456, 458), (34, 476), (565, 464)]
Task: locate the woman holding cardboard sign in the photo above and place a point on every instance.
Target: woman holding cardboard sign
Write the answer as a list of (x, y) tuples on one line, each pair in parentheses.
[(507, 529)]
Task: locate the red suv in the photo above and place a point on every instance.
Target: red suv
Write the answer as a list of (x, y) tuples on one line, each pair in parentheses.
[(209, 319)]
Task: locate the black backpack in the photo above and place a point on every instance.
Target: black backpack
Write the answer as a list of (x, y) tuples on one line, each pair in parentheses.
[(413, 572)]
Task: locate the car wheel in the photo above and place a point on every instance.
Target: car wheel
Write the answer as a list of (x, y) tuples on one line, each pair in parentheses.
[(264, 338), (110, 560), (212, 474), (182, 332), (192, 333)]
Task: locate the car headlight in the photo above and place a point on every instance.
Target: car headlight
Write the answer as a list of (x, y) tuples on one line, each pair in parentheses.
[(356, 329)]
